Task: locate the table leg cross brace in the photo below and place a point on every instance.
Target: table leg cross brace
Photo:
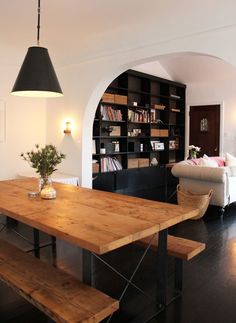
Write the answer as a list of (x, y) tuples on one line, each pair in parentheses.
[(128, 280)]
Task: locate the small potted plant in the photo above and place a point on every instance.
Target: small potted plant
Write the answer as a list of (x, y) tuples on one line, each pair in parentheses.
[(193, 151), (44, 161)]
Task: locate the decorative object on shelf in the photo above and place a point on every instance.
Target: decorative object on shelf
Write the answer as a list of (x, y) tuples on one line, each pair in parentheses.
[(37, 77), (67, 129), (154, 162), (108, 130), (102, 149), (44, 161), (193, 151), (159, 146), (117, 146), (172, 144), (135, 133)]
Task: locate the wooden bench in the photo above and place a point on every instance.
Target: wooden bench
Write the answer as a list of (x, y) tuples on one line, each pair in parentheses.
[(59, 295), (179, 248)]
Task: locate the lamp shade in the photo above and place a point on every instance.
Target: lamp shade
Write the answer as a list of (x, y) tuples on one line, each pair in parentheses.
[(37, 77)]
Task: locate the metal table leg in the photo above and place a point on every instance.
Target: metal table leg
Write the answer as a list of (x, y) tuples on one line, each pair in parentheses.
[(162, 270), (87, 267), (178, 274), (36, 243)]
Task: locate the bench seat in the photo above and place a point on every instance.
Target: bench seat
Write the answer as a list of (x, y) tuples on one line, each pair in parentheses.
[(59, 295), (177, 247)]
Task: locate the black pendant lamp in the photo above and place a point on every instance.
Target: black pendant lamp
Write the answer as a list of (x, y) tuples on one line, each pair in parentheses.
[(37, 77)]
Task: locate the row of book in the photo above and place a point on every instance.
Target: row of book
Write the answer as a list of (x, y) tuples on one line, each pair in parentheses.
[(109, 164), (108, 113), (139, 115)]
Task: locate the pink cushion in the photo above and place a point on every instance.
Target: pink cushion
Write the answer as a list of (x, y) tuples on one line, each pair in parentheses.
[(220, 160), (196, 161)]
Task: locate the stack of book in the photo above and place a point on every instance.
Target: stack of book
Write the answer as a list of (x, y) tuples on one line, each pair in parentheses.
[(108, 113), (138, 115), (110, 164)]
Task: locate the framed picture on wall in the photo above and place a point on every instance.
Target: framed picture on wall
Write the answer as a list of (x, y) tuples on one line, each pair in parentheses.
[(2, 121)]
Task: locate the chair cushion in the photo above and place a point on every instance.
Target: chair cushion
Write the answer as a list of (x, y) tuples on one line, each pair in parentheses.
[(230, 160)]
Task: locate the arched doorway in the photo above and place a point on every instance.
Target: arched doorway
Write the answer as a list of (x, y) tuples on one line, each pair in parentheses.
[(154, 59)]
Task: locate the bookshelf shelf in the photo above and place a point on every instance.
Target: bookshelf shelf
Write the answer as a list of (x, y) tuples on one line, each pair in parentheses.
[(140, 111)]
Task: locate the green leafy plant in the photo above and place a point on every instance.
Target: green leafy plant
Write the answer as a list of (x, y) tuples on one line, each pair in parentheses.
[(44, 160), (193, 151)]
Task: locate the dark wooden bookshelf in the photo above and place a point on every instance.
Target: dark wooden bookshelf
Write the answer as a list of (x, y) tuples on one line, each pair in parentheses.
[(150, 100)]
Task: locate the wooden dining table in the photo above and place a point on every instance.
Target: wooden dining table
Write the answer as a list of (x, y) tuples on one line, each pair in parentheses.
[(96, 221)]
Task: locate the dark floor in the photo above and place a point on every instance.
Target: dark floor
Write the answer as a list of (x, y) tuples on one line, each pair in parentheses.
[(209, 294)]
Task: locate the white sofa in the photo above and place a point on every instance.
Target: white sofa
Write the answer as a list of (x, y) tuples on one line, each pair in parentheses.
[(200, 179)]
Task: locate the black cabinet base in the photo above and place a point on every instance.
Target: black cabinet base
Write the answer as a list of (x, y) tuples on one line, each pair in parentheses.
[(152, 183)]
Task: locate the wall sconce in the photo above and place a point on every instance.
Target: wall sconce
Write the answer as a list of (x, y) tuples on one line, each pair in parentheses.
[(67, 129)]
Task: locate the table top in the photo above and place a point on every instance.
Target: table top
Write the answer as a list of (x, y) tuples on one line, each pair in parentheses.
[(95, 220)]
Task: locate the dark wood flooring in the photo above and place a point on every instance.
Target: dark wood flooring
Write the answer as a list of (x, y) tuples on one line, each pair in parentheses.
[(209, 294)]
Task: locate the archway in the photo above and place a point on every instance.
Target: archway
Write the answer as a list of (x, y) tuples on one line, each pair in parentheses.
[(94, 99)]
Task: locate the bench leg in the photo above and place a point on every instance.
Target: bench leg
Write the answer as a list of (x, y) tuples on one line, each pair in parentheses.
[(87, 267), (54, 246), (178, 274), (36, 243), (162, 274)]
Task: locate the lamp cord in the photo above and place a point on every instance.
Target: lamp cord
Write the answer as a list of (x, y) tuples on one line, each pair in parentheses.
[(38, 26)]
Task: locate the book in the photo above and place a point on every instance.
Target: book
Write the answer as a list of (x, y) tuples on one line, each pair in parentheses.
[(110, 164), (109, 113)]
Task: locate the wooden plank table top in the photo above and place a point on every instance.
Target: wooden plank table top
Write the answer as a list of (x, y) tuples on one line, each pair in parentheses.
[(94, 220)]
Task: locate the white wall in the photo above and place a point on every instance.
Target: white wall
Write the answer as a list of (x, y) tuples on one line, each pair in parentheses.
[(90, 59), (25, 125), (84, 84), (218, 92)]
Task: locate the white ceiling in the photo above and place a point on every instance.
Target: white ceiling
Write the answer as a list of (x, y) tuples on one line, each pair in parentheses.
[(196, 68), (76, 30)]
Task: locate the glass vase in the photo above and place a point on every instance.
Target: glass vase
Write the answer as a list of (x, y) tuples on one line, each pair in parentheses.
[(46, 189)]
